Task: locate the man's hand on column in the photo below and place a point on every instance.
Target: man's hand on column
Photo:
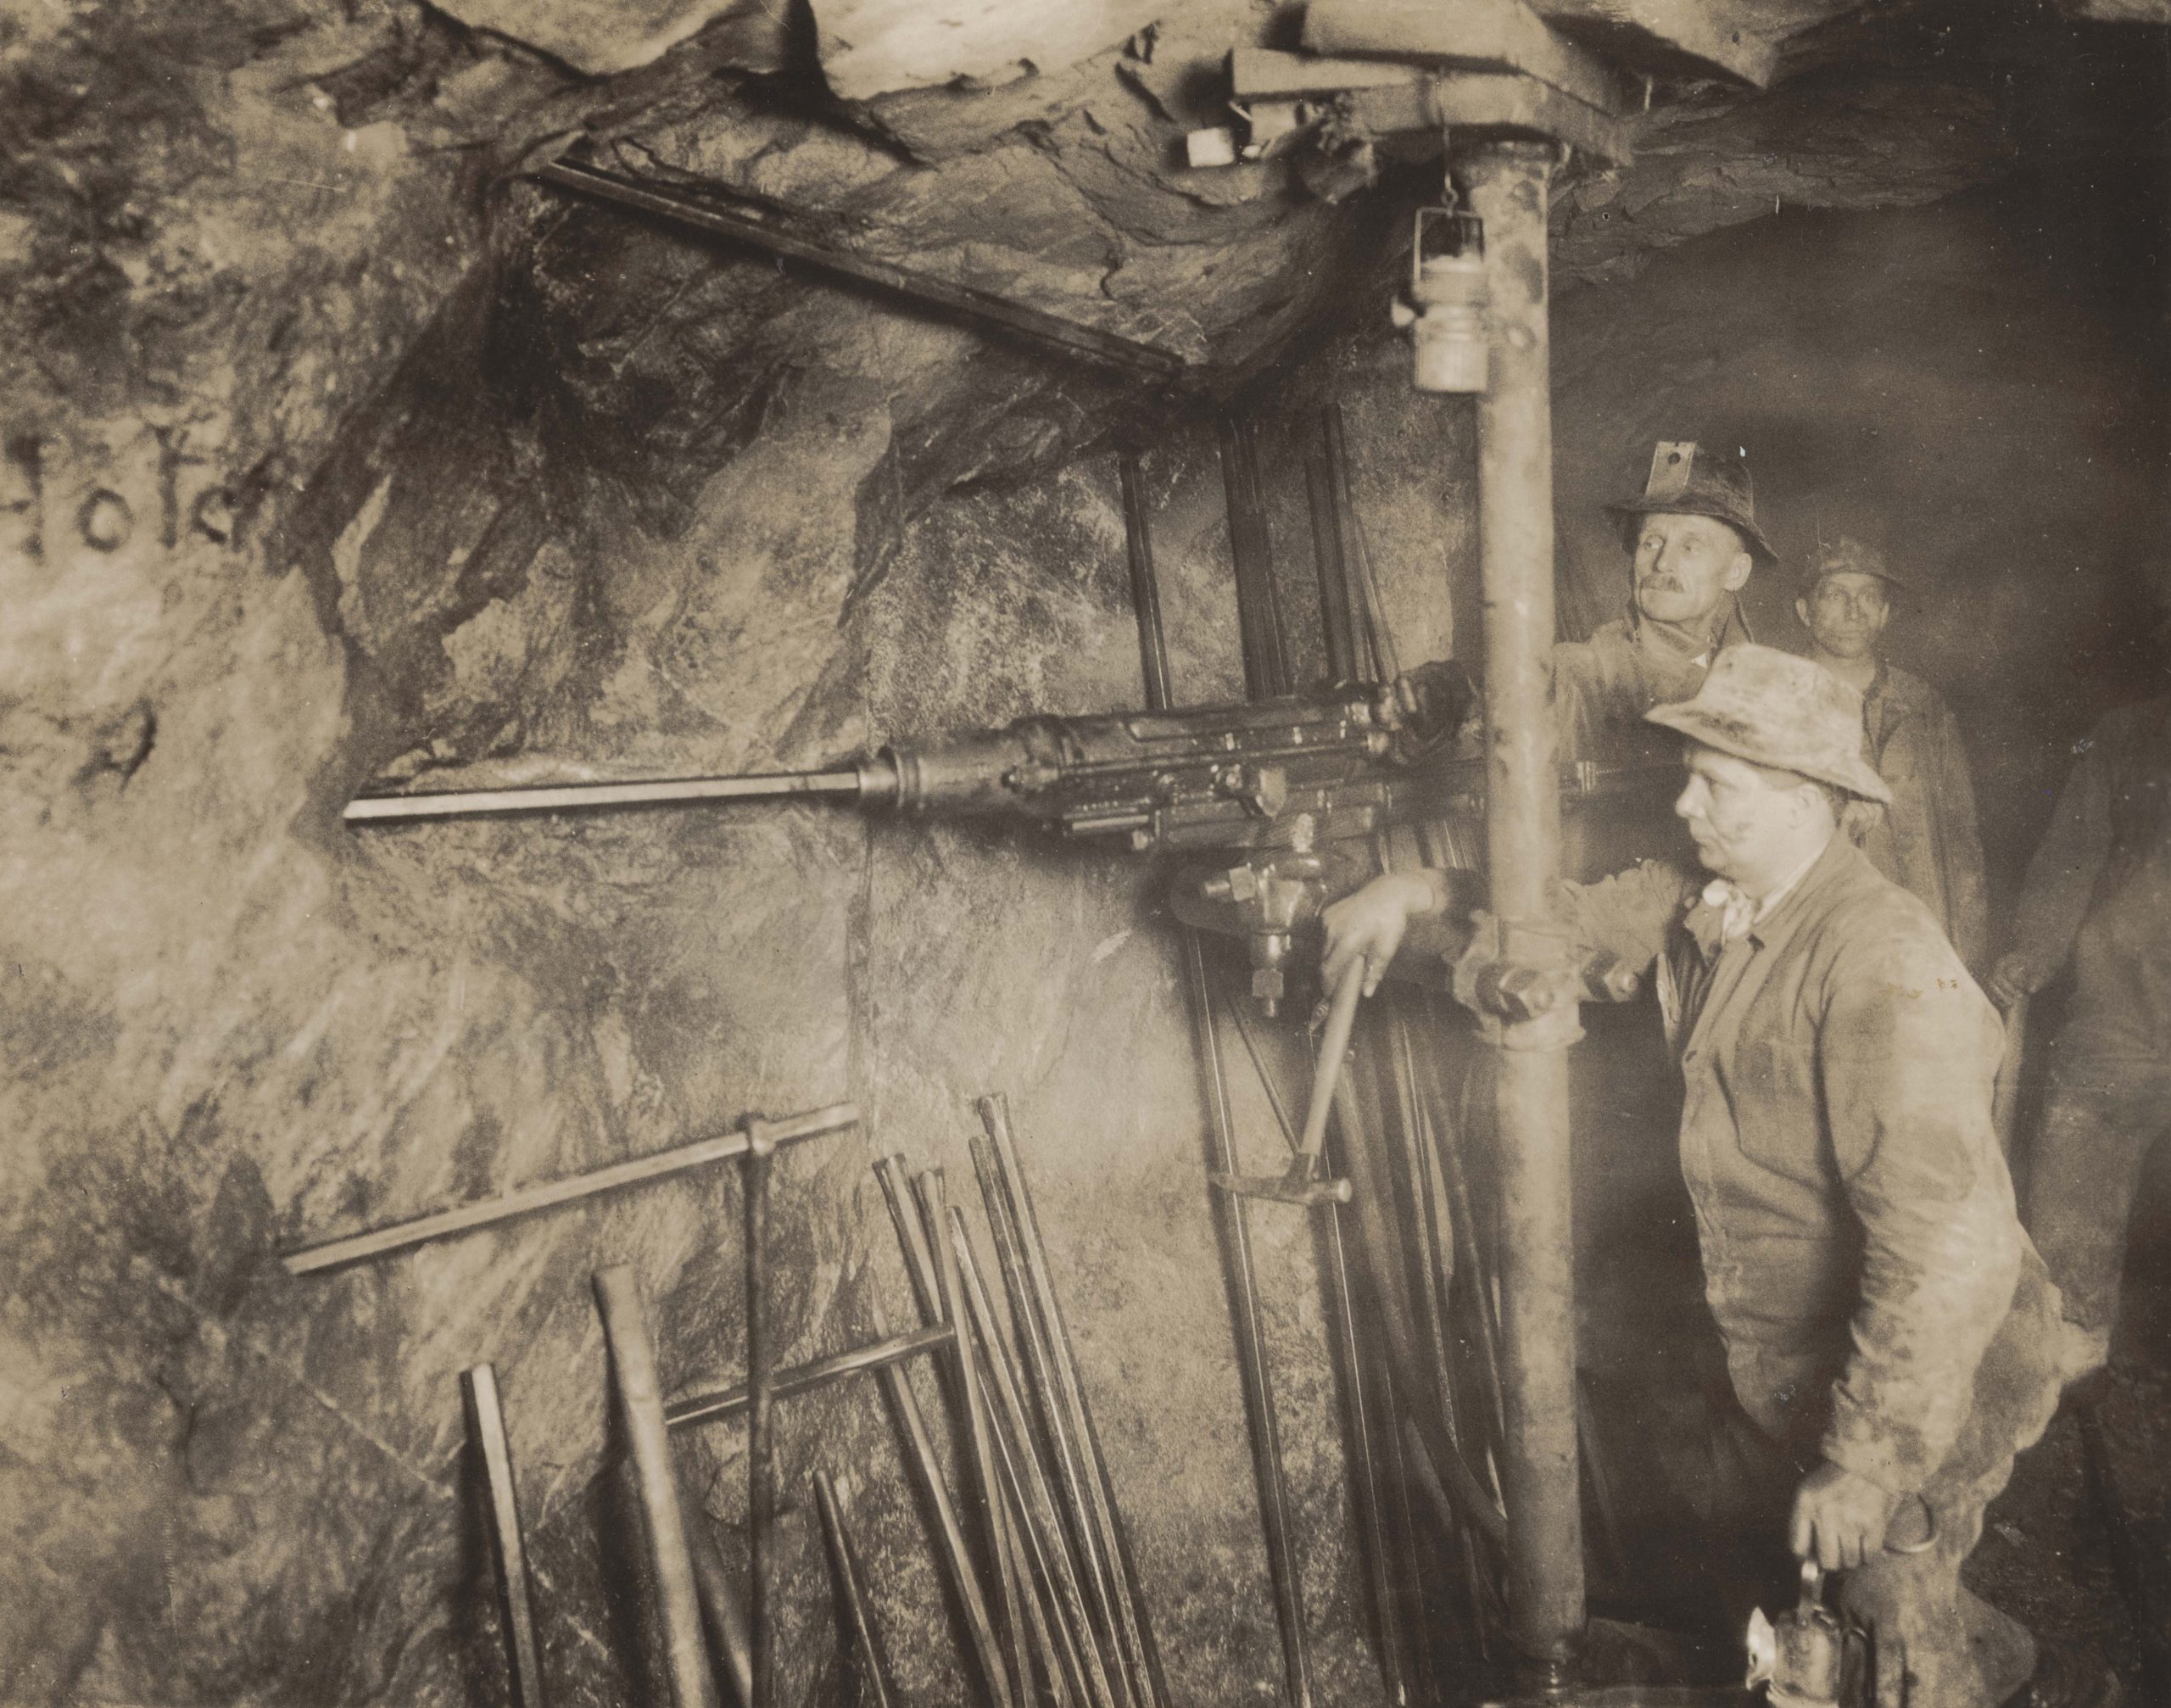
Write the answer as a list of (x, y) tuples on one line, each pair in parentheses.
[(2011, 979), (1370, 922), (1839, 1518)]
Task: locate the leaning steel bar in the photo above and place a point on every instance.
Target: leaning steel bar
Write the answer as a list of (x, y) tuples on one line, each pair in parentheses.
[(933, 1207), (1145, 585), (756, 226), (920, 1270), (640, 1414), (722, 1608), (1064, 1447), (1238, 1269), (444, 1224), (1130, 1610), (949, 1535), (844, 1561), (1250, 553), (1039, 1518), (1330, 562), (1359, 1406), (486, 1422)]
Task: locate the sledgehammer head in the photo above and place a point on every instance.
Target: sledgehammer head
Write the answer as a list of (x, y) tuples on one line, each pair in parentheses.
[(1299, 1186)]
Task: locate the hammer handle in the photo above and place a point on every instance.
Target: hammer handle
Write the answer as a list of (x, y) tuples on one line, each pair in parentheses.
[(1340, 1017)]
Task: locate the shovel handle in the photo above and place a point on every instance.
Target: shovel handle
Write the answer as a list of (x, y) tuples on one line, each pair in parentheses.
[(1334, 1045)]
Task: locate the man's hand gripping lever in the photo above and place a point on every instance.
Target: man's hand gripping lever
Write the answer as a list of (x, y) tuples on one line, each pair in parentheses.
[(1305, 1181)]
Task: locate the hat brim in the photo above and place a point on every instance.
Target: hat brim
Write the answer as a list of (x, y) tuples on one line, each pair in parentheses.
[(1629, 509), (1898, 591), (1730, 735)]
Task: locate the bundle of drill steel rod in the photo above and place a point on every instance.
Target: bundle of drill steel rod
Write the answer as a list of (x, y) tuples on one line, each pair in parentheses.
[(1039, 1566), (1034, 1557)]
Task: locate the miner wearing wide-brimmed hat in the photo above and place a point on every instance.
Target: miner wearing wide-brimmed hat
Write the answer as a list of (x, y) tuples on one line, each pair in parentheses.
[(1889, 1330), (1889, 1333), (1927, 840)]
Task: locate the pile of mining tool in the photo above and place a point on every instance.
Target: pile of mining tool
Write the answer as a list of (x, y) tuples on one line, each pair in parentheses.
[(1035, 1559)]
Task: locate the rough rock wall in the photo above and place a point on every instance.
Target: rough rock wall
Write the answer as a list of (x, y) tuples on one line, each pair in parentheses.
[(317, 461), (318, 457)]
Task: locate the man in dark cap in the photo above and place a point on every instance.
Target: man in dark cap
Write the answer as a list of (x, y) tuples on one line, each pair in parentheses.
[(1692, 542), (1890, 1332), (1927, 841)]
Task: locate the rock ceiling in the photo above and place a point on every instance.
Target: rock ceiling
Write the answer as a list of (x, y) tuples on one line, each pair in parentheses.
[(1037, 152)]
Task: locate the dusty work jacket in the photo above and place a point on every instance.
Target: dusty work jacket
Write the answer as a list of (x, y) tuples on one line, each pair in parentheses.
[(1927, 841), (2100, 886), (1602, 687), (1860, 1244)]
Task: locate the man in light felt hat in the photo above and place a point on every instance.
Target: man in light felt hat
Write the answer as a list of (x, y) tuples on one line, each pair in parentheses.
[(1890, 1332), (1927, 841)]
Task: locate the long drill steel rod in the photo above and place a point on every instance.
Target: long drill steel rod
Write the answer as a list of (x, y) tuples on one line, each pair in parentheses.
[(722, 1607), (913, 1236), (949, 1535), (1041, 1526), (486, 1423), (844, 1562), (640, 1414), (934, 1203), (1412, 1133), (1049, 1556), (760, 1412), (1507, 188), (399, 1235), (1358, 1418), (1249, 1320), (1378, 639), (1064, 1449), (1130, 1608), (1251, 553)]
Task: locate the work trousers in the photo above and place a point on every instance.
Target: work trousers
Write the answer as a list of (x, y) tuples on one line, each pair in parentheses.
[(1935, 1643), (2104, 1110)]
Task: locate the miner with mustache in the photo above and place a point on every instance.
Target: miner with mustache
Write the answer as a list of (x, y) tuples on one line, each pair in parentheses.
[(1692, 542)]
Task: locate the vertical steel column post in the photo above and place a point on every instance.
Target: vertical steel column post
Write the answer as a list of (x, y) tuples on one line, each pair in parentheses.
[(1508, 186)]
